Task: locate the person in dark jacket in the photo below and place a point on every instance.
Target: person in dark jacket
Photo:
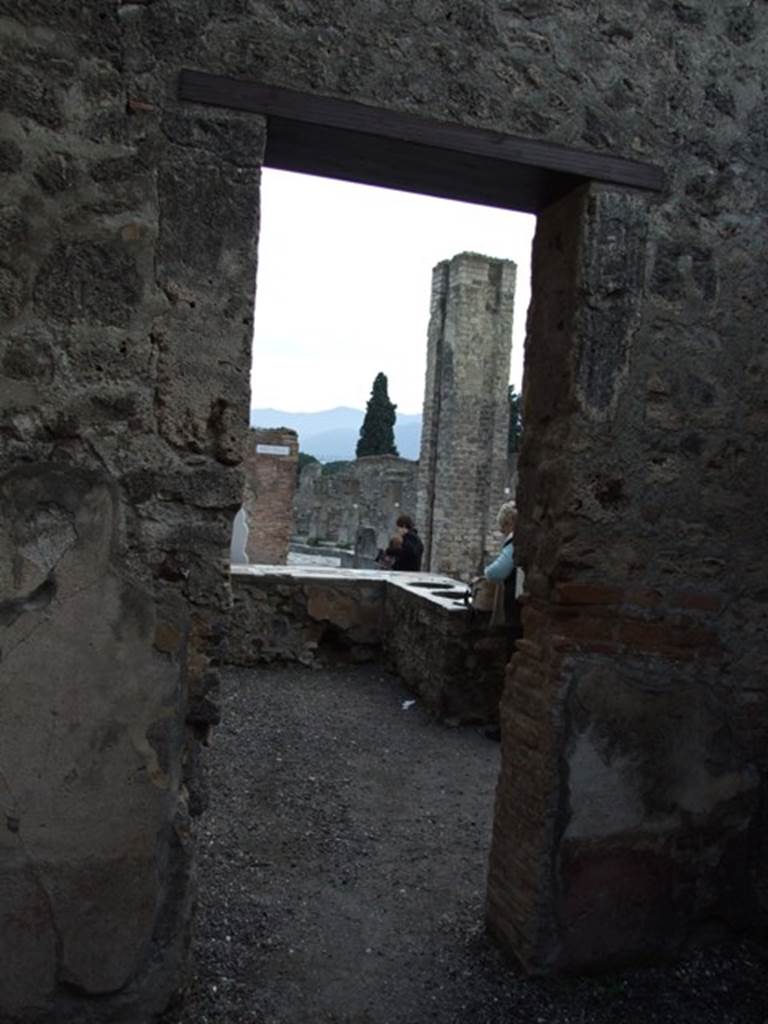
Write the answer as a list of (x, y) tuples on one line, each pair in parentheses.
[(406, 557)]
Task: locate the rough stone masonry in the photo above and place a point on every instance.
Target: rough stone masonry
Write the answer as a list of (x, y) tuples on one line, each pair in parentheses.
[(463, 460), (630, 806), (368, 493)]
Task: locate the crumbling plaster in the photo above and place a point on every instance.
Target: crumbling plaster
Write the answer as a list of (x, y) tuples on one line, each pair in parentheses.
[(127, 263)]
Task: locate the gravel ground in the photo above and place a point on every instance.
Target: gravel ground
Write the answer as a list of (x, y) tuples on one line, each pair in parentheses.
[(342, 873)]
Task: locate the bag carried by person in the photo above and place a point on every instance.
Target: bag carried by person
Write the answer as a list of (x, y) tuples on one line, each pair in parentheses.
[(481, 595), (486, 596)]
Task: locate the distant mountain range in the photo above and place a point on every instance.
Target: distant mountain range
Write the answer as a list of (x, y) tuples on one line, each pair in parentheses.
[(333, 433)]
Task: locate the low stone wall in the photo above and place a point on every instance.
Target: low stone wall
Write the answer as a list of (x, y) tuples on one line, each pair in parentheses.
[(417, 623), (304, 614), (448, 655)]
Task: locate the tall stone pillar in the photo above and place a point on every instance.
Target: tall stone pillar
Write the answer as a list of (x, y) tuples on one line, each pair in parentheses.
[(124, 398), (463, 460)]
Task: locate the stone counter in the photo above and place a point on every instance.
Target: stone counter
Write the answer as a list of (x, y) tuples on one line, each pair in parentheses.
[(417, 623), (446, 653), (305, 614)]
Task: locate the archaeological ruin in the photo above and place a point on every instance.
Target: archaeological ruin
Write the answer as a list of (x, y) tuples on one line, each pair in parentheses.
[(270, 467), (366, 495), (463, 459), (630, 807), (464, 471)]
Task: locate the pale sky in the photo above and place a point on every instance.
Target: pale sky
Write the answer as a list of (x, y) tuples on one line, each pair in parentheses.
[(344, 283)]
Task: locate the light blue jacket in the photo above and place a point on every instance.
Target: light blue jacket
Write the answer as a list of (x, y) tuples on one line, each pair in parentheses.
[(502, 566)]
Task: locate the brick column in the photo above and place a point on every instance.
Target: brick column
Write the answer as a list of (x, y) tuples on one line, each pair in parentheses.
[(623, 794), (271, 469)]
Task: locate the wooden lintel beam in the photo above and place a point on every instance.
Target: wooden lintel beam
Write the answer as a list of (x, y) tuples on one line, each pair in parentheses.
[(524, 159)]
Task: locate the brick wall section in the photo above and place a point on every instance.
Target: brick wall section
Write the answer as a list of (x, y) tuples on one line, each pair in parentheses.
[(624, 748), (463, 460), (448, 656), (127, 274), (270, 486)]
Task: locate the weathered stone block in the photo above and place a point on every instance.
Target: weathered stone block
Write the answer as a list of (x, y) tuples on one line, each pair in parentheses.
[(86, 834), (97, 282), (11, 157), (13, 293)]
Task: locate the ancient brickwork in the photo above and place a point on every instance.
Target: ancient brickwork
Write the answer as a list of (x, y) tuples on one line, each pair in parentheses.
[(639, 703), (271, 468), (625, 747), (463, 460), (369, 494)]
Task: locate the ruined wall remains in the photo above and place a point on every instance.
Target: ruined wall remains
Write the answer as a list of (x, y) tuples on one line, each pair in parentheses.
[(448, 655), (627, 746), (463, 460), (128, 232), (306, 617), (271, 468), (630, 805), (369, 493)]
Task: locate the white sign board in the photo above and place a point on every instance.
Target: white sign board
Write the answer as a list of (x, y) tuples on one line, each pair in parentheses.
[(272, 449)]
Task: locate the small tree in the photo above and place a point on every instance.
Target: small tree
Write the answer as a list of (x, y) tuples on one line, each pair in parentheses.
[(515, 421), (377, 435)]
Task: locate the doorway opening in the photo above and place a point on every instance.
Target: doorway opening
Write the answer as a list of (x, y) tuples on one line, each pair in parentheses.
[(357, 143), (343, 295)]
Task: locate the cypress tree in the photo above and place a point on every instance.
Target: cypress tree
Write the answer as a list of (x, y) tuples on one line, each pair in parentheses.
[(377, 435)]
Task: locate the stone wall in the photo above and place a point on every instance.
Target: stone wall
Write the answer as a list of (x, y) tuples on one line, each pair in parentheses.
[(369, 493), (463, 461), (271, 468), (630, 772), (128, 225), (306, 616), (417, 623), (449, 656), (128, 255)]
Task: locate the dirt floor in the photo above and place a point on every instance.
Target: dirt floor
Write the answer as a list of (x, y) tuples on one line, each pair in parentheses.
[(342, 871)]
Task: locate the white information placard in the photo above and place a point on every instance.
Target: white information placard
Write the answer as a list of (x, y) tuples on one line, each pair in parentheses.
[(272, 449)]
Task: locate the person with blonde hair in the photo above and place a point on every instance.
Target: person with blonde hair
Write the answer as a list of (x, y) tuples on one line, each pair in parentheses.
[(503, 566), (503, 572)]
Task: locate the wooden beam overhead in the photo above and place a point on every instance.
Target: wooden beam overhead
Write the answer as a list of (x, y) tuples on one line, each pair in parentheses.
[(355, 142)]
